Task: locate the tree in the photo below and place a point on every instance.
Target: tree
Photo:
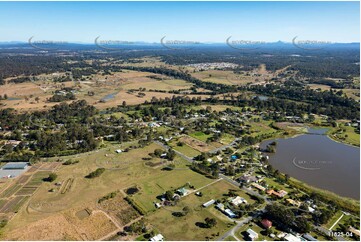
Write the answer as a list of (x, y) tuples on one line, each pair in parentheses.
[(210, 222), (52, 177), (95, 173), (302, 225), (280, 213), (186, 210), (169, 195)]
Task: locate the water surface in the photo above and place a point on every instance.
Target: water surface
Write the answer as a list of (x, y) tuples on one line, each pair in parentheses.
[(319, 161)]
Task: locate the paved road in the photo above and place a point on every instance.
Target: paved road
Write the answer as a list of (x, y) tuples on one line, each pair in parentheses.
[(232, 231), (166, 147)]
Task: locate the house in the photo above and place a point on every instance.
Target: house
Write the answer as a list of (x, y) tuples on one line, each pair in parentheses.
[(247, 179), (182, 191), (153, 125), (282, 193), (158, 237), (220, 206), (279, 194), (251, 234), (229, 213), (238, 200), (266, 223), (14, 143), (259, 187), (119, 151), (291, 237), (281, 235), (311, 210), (293, 202), (309, 237)]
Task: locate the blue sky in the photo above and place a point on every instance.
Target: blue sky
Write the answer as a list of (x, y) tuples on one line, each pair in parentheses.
[(191, 21)]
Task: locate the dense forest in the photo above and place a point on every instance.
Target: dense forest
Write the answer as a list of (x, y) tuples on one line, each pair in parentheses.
[(333, 61)]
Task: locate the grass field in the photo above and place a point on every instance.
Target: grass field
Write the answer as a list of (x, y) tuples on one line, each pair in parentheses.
[(223, 77), (123, 171), (149, 190), (333, 219), (11, 190), (255, 228), (186, 150), (230, 238), (200, 135), (344, 133), (261, 128), (187, 227)]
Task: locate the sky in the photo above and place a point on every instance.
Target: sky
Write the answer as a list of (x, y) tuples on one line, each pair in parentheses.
[(184, 21)]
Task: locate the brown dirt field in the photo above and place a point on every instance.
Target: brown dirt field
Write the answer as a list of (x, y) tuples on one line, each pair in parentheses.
[(50, 166), (23, 179), (119, 209), (55, 227), (196, 144), (285, 125), (131, 99), (20, 90), (83, 214), (26, 191), (33, 169), (262, 69), (93, 227), (65, 226), (11, 205)]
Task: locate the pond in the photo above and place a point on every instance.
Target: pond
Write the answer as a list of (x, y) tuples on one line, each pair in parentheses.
[(319, 161), (132, 190), (109, 97)]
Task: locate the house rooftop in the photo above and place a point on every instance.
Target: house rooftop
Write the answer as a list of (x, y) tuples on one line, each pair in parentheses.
[(158, 237), (252, 234)]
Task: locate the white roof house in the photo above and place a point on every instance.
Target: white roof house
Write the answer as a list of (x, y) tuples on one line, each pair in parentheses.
[(251, 234), (158, 237), (238, 200), (291, 237)]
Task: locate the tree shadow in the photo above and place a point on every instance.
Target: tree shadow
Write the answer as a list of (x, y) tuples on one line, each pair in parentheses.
[(201, 225)]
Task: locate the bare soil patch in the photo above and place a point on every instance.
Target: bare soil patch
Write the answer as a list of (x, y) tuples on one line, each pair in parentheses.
[(196, 144)]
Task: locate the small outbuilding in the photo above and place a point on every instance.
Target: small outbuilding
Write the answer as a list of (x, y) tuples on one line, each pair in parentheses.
[(209, 203), (266, 223)]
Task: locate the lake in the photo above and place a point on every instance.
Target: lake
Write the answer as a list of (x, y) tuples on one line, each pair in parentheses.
[(319, 161)]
